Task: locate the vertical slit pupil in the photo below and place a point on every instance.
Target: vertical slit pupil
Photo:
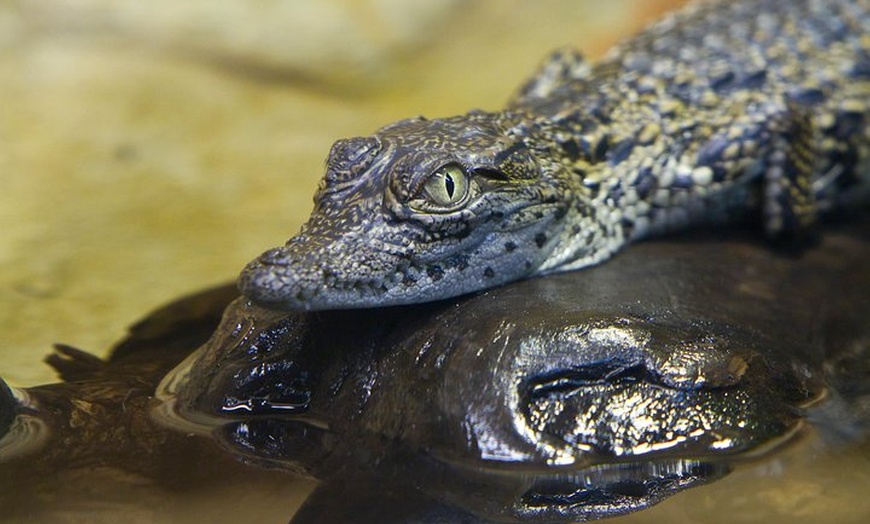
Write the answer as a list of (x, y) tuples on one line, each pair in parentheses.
[(449, 185)]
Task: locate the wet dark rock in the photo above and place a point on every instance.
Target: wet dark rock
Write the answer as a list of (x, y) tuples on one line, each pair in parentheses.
[(570, 397)]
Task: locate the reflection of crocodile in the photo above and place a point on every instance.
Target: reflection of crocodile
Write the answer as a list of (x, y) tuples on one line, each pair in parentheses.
[(725, 110), (550, 400)]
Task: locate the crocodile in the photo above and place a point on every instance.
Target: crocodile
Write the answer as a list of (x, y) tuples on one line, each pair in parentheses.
[(723, 111)]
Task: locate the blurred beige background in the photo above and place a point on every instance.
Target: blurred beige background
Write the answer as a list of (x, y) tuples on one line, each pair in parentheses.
[(149, 149)]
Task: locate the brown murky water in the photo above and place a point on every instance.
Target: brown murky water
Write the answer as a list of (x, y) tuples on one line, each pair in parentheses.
[(146, 152)]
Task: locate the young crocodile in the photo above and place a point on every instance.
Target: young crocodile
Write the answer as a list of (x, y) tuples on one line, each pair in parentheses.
[(723, 110)]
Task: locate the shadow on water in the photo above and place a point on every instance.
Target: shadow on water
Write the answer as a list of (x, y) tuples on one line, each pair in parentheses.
[(679, 363)]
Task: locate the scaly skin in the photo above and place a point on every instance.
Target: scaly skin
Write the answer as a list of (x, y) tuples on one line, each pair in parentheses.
[(721, 111)]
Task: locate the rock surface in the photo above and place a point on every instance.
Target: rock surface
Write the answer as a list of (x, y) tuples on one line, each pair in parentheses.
[(556, 399)]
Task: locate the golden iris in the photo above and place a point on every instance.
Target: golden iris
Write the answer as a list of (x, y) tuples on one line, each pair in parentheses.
[(447, 187)]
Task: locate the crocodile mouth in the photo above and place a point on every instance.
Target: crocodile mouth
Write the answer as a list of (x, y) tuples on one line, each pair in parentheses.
[(359, 268), (290, 278), (280, 285), (277, 279)]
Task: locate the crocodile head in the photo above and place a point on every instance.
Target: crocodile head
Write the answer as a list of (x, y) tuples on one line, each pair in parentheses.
[(422, 210)]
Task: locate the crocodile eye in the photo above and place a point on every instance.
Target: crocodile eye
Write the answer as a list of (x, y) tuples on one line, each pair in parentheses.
[(446, 187)]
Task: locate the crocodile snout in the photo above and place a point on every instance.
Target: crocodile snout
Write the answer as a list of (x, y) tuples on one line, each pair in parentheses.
[(313, 272), (277, 282)]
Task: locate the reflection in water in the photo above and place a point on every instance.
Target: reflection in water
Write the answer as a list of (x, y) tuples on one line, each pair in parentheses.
[(552, 400)]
